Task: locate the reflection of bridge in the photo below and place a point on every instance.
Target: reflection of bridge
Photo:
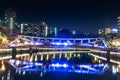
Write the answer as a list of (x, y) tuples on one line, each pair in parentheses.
[(64, 67), (28, 40)]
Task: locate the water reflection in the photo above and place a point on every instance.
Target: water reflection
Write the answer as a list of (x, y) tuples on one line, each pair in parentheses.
[(47, 57), (68, 62), (35, 57), (3, 66), (41, 57), (60, 55)]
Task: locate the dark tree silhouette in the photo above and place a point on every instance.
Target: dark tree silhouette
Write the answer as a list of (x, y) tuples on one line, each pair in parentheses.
[(65, 33)]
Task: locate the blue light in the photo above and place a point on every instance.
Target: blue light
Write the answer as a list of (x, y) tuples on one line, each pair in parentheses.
[(88, 67), (114, 71), (59, 65), (98, 65), (58, 43), (65, 44), (65, 65), (115, 30)]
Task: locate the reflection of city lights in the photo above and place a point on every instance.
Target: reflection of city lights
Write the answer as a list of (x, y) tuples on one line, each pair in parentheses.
[(60, 55), (53, 56), (17, 62), (99, 61), (41, 74), (31, 58), (3, 78), (59, 65), (41, 57), (35, 57), (117, 69), (114, 71), (65, 55), (3, 66), (68, 58), (8, 76), (95, 58), (74, 55), (70, 55), (78, 55), (24, 72), (47, 57)]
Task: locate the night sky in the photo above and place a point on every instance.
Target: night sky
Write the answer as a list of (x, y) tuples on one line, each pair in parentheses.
[(87, 16)]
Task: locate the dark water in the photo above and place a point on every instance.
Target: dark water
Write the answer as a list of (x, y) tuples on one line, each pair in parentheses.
[(73, 59)]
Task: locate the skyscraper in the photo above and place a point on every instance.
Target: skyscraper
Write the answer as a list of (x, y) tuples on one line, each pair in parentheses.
[(32, 29), (43, 29), (52, 31), (10, 17), (118, 24)]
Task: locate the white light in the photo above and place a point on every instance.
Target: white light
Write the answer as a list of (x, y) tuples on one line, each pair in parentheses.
[(65, 44)]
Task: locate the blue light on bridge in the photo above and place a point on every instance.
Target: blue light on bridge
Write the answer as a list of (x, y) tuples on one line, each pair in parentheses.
[(61, 44), (65, 44), (59, 65)]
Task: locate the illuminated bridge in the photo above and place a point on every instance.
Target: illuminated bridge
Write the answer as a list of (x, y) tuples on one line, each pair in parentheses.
[(41, 41)]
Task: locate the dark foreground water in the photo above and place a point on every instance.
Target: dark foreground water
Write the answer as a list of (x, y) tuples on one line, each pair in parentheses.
[(56, 66)]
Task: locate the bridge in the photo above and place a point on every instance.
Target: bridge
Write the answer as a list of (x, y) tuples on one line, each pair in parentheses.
[(42, 41)]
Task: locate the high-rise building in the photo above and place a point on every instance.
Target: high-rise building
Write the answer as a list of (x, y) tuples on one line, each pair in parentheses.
[(10, 17), (31, 29), (3, 22), (56, 31), (101, 31), (53, 31), (118, 24), (43, 29), (107, 31), (10, 13)]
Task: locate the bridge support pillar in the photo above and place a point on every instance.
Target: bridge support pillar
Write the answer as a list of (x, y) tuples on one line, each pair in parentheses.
[(14, 52), (108, 56)]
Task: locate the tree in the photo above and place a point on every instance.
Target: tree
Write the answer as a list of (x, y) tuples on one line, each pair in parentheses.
[(64, 33)]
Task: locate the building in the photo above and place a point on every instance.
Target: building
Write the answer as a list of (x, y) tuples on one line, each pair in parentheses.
[(3, 22), (118, 24), (31, 29), (101, 31), (10, 17), (10, 13), (43, 27), (107, 31), (52, 31)]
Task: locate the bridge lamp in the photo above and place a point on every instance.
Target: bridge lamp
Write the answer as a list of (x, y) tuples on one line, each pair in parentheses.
[(65, 65), (58, 43), (65, 44)]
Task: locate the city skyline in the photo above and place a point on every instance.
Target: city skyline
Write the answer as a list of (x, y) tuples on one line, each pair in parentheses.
[(87, 16)]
